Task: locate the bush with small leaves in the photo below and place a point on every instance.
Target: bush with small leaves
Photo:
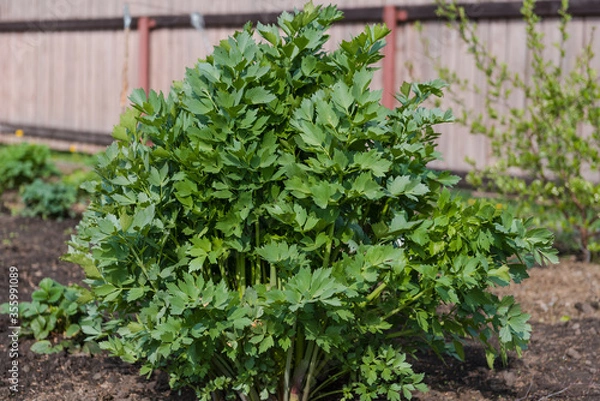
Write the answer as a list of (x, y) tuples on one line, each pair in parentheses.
[(270, 231)]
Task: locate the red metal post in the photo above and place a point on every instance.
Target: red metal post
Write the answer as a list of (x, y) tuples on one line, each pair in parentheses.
[(145, 24), (389, 57)]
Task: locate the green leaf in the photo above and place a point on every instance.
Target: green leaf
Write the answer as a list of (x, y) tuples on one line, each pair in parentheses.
[(500, 275), (138, 97), (72, 330), (366, 186), (120, 133), (198, 106), (267, 343), (405, 185), (104, 289), (45, 347), (269, 32), (135, 293), (259, 95), (372, 160), (342, 95), (143, 217), (324, 193)]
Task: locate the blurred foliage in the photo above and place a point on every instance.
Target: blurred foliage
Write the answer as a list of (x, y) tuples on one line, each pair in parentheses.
[(544, 149)]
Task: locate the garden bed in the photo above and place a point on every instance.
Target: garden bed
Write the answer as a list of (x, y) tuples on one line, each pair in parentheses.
[(562, 363)]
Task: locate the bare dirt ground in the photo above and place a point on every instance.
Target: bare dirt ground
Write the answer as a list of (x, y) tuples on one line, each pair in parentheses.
[(562, 362)]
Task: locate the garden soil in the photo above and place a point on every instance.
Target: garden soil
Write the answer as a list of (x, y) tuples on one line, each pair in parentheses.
[(562, 362)]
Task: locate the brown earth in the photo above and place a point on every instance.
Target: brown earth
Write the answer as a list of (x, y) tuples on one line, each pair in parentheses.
[(562, 362)]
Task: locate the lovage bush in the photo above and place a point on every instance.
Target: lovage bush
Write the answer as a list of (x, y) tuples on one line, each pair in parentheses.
[(270, 231)]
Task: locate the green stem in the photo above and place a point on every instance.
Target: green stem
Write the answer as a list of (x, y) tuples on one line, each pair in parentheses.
[(302, 362), (273, 276), (254, 395), (326, 395), (288, 368), (241, 273), (311, 372), (401, 333), (257, 267), (376, 292), (406, 305), (327, 255), (325, 383), (222, 367), (141, 266)]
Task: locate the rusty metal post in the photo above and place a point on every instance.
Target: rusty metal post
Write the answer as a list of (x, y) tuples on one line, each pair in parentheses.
[(389, 57), (145, 24)]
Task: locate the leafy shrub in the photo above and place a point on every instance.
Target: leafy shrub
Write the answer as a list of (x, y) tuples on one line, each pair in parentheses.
[(553, 141), (270, 231), (23, 163), (55, 310), (48, 199)]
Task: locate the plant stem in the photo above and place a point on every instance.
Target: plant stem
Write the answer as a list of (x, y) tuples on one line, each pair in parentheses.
[(376, 292), (327, 394), (401, 333), (241, 273), (400, 308), (327, 255), (325, 383), (302, 362), (288, 367), (273, 276), (143, 268), (311, 372), (222, 367), (257, 267)]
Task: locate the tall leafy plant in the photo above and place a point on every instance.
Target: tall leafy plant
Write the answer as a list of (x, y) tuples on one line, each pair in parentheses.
[(270, 231), (545, 147)]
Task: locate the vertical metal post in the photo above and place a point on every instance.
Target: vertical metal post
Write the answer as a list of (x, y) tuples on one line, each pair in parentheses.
[(389, 57), (145, 24)]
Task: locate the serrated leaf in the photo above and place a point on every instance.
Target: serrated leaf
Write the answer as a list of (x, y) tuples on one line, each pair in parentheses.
[(407, 186), (269, 32), (143, 217), (198, 106), (138, 97), (104, 289), (366, 186), (267, 343), (259, 95), (135, 293), (323, 193), (372, 160)]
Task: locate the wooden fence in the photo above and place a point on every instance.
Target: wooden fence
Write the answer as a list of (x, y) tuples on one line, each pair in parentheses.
[(62, 62)]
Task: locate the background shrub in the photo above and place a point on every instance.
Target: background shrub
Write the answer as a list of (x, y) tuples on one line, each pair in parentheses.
[(281, 237), (542, 151), (23, 163), (48, 199)]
